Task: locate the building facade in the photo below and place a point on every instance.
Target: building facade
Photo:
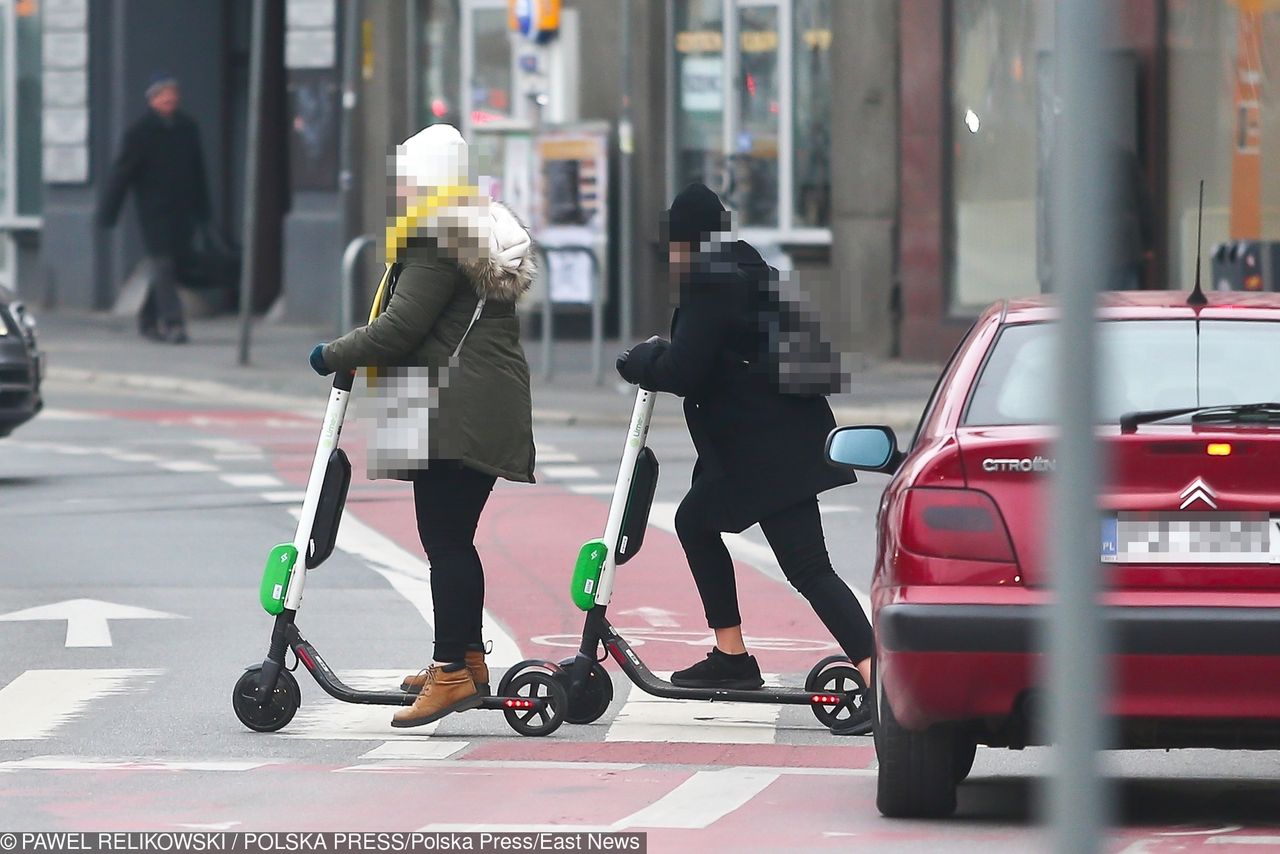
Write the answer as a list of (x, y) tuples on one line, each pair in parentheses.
[(893, 153)]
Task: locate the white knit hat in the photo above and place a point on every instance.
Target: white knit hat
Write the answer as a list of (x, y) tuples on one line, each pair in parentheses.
[(435, 156)]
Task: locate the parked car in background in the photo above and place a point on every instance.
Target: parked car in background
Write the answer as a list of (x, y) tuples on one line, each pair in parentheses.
[(21, 364), (1189, 537)]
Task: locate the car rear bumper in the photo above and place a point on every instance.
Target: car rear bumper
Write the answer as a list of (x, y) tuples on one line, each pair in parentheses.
[(959, 661), (919, 627)]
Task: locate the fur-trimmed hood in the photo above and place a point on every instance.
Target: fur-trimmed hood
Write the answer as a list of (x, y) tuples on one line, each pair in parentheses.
[(503, 270)]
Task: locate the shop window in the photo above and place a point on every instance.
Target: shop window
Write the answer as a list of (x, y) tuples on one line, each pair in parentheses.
[(1212, 128), (753, 122), (993, 127)]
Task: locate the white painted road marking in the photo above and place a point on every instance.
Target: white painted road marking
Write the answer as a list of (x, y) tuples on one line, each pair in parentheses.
[(187, 466), (569, 472), (644, 717), (80, 763), (429, 749), (39, 701), (251, 481), (702, 800), (331, 719), (87, 619), (592, 488)]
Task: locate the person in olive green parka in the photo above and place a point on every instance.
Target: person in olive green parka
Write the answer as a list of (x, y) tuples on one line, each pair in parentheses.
[(449, 248)]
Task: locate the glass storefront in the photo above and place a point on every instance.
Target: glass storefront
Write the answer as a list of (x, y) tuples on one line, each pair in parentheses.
[(753, 123)]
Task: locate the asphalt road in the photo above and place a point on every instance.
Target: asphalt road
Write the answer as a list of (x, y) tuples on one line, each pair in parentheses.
[(146, 520)]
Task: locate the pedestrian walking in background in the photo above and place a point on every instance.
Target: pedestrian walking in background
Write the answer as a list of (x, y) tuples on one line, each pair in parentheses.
[(760, 450), (161, 160), (451, 391)]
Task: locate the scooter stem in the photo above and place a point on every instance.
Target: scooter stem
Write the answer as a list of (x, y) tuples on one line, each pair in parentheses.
[(330, 431), (637, 436)]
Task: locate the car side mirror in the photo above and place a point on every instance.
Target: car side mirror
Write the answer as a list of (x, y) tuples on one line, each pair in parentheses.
[(864, 448)]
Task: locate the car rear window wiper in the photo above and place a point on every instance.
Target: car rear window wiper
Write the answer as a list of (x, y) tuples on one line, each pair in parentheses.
[(1236, 412)]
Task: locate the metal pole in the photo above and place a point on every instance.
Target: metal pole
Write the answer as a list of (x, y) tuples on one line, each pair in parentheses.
[(626, 145), (546, 315), (253, 160), (1082, 217), (347, 287), (350, 100), (597, 317)]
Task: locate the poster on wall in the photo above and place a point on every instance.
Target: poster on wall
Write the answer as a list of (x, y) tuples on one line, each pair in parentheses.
[(572, 205)]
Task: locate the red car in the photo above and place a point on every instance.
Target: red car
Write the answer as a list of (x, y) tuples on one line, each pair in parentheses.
[(1190, 538)]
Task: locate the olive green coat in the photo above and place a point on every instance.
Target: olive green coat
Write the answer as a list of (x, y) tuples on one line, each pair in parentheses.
[(484, 413)]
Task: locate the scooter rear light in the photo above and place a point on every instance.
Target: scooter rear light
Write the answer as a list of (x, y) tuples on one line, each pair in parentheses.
[(825, 699), (517, 703), (962, 524)]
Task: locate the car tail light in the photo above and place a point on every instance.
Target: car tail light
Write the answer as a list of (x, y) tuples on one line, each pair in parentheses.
[(963, 524)]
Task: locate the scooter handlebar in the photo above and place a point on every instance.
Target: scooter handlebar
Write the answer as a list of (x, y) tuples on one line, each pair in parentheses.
[(344, 380)]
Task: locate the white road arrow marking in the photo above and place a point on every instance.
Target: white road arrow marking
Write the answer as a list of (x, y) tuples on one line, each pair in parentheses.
[(86, 618), (656, 617)]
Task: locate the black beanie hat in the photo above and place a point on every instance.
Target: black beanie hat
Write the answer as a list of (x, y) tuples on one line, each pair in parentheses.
[(695, 213)]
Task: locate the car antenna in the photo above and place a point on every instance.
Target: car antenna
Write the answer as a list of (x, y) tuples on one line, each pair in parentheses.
[(1197, 297)]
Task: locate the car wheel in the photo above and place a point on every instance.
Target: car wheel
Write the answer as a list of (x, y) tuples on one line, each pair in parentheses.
[(917, 776)]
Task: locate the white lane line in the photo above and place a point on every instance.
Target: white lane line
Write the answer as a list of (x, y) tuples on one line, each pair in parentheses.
[(592, 488), (257, 455), (187, 466), (358, 539), (548, 456), (569, 472), (657, 719), (663, 515), (702, 800), (828, 509), (432, 749), (330, 719), (1243, 840), (80, 763), (291, 497), (138, 457), (39, 701), (50, 413), (698, 802), (251, 481)]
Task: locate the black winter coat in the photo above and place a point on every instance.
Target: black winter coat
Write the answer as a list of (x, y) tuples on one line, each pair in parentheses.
[(763, 449), (163, 163)]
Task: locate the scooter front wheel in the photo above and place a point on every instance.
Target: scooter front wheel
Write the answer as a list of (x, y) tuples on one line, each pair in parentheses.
[(280, 707), (596, 695), (536, 685)]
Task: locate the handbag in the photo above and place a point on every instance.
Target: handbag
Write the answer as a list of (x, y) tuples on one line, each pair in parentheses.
[(402, 402)]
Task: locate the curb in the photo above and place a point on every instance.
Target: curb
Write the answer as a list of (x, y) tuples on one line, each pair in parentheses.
[(897, 415)]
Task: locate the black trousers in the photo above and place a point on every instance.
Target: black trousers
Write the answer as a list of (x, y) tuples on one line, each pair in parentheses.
[(448, 499), (795, 535), (162, 308)]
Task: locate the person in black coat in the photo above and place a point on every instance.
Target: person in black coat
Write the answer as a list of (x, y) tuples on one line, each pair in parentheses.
[(760, 451), (162, 162)]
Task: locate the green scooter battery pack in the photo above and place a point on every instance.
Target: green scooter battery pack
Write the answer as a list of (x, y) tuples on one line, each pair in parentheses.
[(586, 573), (275, 578)]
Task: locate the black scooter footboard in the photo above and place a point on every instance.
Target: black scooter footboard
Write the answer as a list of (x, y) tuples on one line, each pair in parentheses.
[(333, 497), (635, 519)]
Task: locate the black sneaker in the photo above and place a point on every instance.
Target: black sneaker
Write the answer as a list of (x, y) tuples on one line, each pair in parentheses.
[(720, 670)]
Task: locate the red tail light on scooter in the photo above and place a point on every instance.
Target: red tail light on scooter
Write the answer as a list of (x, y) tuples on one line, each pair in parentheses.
[(961, 524)]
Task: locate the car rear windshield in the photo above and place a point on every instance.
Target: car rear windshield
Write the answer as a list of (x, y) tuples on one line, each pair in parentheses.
[(1143, 365)]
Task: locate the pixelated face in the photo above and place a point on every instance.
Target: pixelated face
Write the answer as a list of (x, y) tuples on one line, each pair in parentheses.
[(165, 101), (679, 256)]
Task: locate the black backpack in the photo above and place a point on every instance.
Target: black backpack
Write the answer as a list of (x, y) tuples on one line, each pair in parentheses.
[(798, 359)]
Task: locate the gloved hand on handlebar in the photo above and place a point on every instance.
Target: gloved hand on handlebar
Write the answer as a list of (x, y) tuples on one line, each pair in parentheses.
[(631, 368), (317, 361)]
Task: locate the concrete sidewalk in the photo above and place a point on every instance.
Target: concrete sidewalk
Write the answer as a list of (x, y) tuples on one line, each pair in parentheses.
[(107, 352)]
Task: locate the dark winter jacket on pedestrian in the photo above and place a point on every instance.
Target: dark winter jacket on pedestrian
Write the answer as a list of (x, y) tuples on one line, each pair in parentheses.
[(161, 160), (484, 413), (762, 449)]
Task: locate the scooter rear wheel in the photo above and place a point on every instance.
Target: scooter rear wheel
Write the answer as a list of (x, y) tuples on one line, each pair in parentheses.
[(844, 681), (536, 685), (537, 664), (591, 704), (280, 707)]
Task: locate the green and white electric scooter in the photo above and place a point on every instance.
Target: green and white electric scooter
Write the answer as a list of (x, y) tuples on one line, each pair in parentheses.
[(267, 696), (833, 690)]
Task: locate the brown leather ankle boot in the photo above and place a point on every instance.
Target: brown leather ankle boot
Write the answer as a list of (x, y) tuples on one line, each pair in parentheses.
[(443, 693), (475, 664)]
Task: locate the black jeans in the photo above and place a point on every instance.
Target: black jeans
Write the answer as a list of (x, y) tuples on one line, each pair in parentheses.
[(162, 308), (448, 499), (795, 535)]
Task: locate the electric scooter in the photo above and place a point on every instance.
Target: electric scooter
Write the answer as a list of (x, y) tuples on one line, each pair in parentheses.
[(834, 689), (267, 696)]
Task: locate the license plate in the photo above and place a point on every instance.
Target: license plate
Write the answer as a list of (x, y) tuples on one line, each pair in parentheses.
[(1191, 538)]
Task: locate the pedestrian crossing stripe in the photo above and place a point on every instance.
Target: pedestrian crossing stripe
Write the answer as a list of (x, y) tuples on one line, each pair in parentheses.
[(39, 702)]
